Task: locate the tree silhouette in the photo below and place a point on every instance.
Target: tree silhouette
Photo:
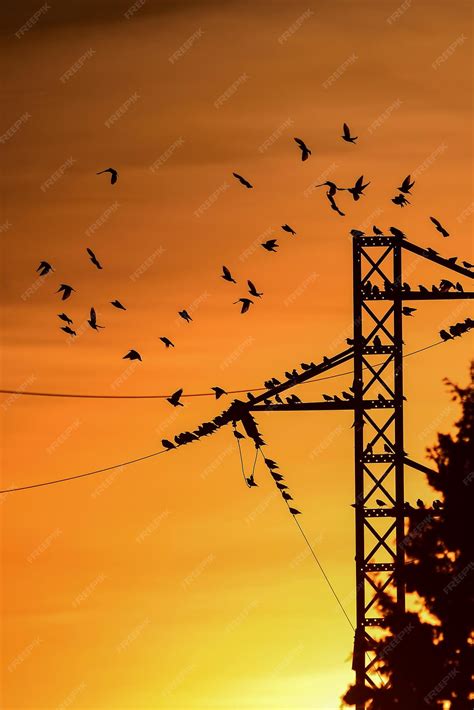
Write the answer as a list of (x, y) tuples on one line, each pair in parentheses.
[(428, 655)]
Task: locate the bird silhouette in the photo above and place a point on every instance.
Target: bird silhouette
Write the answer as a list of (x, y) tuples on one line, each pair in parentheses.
[(68, 330), (437, 505), (294, 511), (185, 316), (332, 187), (286, 496), (253, 290), (406, 185), (44, 268), (357, 233), (420, 503), (397, 232), (132, 355), (118, 305), (167, 341), (376, 230), (407, 311), (305, 151), (287, 228), (66, 291), (377, 341), (346, 136), (242, 180), (400, 200), (333, 204), (167, 444), (93, 320), (65, 318), (218, 391), (380, 503), (467, 265), (246, 302), (175, 397), (113, 174), (358, 190), (270, 245), (439, 227), (93, 258), (227, 276), (250, 481), (238, 435)]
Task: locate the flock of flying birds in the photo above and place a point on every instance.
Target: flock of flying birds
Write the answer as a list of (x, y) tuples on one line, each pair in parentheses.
[(271, 245)]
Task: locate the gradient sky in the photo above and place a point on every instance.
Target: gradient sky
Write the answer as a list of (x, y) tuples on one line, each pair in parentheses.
[(169, 584)]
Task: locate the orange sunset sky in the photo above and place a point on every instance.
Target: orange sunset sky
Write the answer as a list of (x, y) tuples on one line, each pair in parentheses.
[(169, 584)]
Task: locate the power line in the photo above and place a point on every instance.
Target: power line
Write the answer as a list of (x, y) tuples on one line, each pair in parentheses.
[(157, 453), (71, 395)]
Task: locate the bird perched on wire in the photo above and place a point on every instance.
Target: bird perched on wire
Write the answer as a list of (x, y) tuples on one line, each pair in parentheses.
[(286, 496), (400, 200), (377, 341), (242, 180), (408, 311), (246, 303), (380, 503), (66, 291), (294, 511), (218, 391), (167, 444), (287, 228), (118, 305), (113, 174), (93, 320), (185, 316), (227, 276), (406, 185), (253, 291), (439, 227), (175, 397), (377, 231), (132, 355), (358, 190), (166, 341), (270, 245), (305, 151), (93, 258), (346, 134), (250, 481), (44, 268), (357, 233), (445, 335), (65, 318), (420, 503)]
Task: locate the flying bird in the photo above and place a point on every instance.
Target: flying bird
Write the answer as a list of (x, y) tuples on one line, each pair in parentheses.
[(113, 174), (66, 291), (347, 134), (287, 228), (358, 190), (408, 311), (305, 151), (270, 245), (132, 355), (406, 185), (334, 207), (65, 318), (167, 342), (44, 268), (332, 187), (185, 316), (93, 258), (400, 200), (242, 180), (245, 304), (174, 398), (439, 227), (253, 290), (68, 330), (93, 320), (117, 304), (218, 391), (226, 275)]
